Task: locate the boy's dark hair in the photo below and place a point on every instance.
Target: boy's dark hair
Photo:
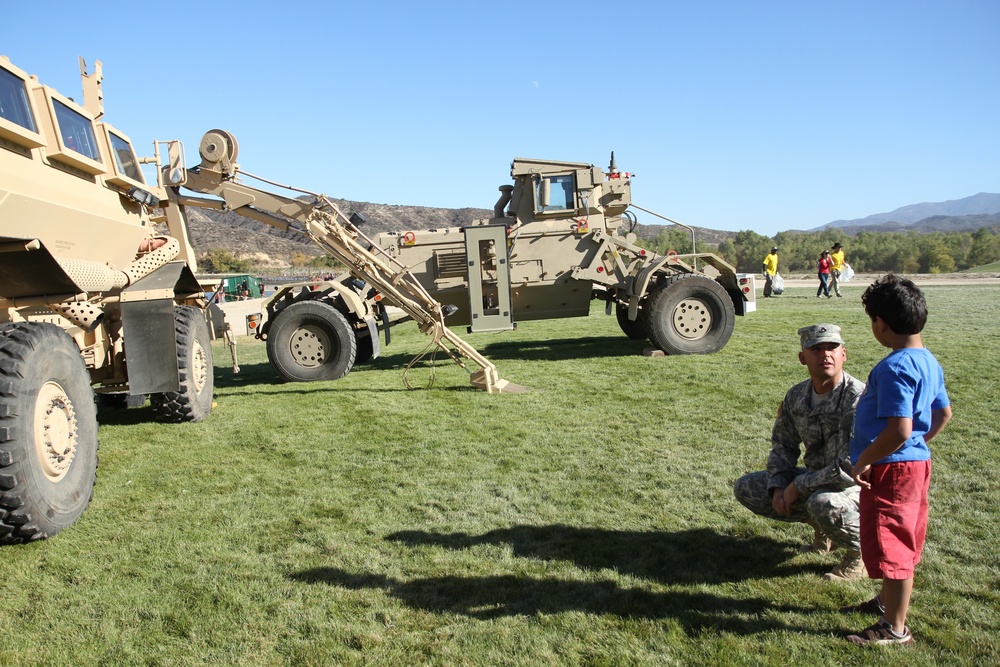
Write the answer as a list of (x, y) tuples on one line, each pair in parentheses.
[(898, 302)]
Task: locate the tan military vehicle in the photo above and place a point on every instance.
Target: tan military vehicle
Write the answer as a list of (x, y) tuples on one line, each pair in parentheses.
[(319, 330), (560, 238), (91, 298)]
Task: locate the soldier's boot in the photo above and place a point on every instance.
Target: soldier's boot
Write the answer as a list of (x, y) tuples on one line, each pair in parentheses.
[(849, 568), (821, 544)]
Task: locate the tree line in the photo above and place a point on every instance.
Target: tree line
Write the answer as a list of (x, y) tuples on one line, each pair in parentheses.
[(868, 252)]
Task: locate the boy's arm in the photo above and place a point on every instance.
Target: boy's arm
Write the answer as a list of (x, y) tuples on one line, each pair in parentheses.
[(939, 418), (892, 437)]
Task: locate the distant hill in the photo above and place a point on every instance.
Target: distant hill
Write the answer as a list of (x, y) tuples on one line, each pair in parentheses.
[(268, 246), (935, 223), (969, 208)]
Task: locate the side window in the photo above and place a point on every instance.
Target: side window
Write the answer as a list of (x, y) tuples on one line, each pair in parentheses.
[(561, 190), (14, 101), (124, 158), (76, 131)]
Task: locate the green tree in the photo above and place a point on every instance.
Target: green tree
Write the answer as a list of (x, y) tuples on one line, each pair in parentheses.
[(985, 247), (749, 249), (324, 262), (218, 260), (934, 256)]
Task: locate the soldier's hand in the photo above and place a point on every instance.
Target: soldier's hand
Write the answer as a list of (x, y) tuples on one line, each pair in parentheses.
[(791, 496), (778, 503)]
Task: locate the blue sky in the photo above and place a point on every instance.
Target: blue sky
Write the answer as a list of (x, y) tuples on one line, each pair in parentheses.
[(759, 115)]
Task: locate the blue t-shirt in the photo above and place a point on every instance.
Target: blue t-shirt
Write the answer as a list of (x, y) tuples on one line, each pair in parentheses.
[(907, 383)]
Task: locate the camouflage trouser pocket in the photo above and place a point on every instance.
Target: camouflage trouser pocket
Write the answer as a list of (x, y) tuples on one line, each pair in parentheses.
[(836, 513)]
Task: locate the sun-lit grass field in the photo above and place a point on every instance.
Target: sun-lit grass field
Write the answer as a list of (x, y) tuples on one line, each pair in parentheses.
[(588, 522)]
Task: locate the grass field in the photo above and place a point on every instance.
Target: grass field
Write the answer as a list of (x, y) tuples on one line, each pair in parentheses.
[(588, 522), (986, 268)]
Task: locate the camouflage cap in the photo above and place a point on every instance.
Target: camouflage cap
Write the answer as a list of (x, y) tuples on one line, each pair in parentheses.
[(814, 334)]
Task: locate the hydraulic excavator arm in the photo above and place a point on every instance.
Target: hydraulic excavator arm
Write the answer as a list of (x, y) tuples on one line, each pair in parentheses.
[(328, 227)]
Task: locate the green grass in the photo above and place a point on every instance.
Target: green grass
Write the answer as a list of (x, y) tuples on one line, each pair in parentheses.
[(590, 521), (985, 268)]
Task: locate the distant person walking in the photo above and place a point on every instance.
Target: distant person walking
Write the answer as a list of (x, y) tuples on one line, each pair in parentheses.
[(837, 257), (823, 270), (770, 269)]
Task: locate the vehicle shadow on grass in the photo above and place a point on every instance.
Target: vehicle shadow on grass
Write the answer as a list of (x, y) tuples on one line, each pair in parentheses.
[(697, 556), (255, 379), (559, 349), (492, 597)]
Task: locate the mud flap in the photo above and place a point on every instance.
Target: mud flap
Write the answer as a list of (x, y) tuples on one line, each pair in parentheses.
[(148, 328), (373, 332)]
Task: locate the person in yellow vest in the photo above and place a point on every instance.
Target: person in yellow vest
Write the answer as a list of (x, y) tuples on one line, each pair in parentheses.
[(770, 268), (837, 257)]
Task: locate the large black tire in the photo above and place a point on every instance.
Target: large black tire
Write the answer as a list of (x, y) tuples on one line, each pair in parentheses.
[(310, 341), (634, 329), (48, 432), (193, 400), (690, 314)]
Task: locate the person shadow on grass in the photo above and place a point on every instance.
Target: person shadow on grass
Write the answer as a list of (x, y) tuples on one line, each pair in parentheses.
[(491, 597), (679, 559), (699, 555)]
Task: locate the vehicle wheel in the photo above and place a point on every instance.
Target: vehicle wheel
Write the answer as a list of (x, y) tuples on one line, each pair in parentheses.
[(311, 341), (193, 400), (690, 314), (48, 432), (634, 329)]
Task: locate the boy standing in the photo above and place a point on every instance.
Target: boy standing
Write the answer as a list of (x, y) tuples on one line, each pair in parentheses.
[(904, 406)]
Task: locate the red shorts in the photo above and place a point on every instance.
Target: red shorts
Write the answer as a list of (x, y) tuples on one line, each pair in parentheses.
[(894, 518)]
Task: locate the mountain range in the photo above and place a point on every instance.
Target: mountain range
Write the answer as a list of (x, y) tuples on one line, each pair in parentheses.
[(954, 215), (268, 246)]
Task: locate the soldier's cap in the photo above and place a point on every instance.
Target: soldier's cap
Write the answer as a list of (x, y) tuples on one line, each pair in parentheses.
[(814, 334)]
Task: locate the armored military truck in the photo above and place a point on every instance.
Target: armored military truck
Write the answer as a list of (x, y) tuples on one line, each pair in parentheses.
[(91, 299), (560, 237)]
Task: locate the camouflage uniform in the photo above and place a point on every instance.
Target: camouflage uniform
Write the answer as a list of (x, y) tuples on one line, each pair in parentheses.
[(828, 496)]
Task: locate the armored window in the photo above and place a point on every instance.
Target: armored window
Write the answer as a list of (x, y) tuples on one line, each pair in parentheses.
[(124, 157), (18, 124), (14, 101), (76, 131), (555, 193)]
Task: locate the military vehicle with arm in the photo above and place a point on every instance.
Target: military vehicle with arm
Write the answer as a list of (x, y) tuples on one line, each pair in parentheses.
[(560, 237)]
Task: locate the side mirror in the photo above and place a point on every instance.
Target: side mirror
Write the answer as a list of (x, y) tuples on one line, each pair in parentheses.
[(176, 171)]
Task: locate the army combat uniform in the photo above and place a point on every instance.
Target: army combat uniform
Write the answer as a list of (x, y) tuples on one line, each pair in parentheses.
[(828, 496)]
